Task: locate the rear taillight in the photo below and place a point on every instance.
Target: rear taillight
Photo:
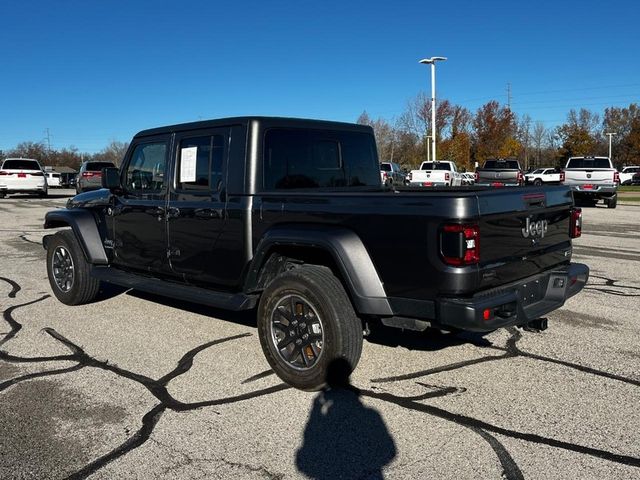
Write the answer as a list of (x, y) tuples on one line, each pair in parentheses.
[(3, 173), (409, 176), (476, 177), (616, 177), (575, 229), (561, 177), (87, 174), (446, 176), (520, 178), (460, 244)]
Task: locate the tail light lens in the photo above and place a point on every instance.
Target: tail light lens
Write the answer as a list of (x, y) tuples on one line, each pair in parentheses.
[(476, 177), (446, 176), (561, 177), (460, 244), (575, 229), (87, 174), (520, 178), (616, 177)]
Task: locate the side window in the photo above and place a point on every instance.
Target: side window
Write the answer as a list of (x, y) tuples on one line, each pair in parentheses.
[(145, 171), (301, 158), (200, 161)]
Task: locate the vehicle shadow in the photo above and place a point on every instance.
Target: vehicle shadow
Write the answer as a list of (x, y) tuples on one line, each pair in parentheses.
[(343, 437), (428, 341), (245, 317)]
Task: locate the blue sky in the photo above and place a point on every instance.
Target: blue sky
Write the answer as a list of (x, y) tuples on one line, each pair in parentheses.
[(96, 71)]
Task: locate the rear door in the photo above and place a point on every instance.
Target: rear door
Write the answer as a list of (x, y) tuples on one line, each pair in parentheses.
[(196, 207)]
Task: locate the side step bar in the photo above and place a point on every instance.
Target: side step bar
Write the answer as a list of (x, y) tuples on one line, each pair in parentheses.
[(189, 293)]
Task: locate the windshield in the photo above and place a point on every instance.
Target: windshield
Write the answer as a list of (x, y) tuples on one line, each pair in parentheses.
[(589, 163), (21, 165), (386, 167), (435, 166), (502, 164), (98, 166)]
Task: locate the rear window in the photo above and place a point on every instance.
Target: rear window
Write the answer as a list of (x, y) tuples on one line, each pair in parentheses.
[(435, 166), (20, 165), (502, 164), (98, 166), (301, 158), (386, 167), (589, 163)]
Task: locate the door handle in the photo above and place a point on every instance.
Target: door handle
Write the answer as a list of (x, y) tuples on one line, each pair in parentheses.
[(158, 212), (173, 212), (207, 213)]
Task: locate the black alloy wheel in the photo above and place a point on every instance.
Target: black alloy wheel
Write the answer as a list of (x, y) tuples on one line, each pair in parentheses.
[(296, 332), (68, 270), (305, 322), (62, 268)]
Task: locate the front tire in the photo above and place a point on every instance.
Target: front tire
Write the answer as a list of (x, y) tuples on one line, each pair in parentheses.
[(537, 182), (68, 270), (305, 322)]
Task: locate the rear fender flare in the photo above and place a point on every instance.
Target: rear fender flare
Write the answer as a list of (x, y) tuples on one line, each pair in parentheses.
[(348, 252), (83, 224)]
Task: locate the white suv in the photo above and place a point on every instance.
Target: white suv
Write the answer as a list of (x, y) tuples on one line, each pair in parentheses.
[(627, 173), (22, 175)]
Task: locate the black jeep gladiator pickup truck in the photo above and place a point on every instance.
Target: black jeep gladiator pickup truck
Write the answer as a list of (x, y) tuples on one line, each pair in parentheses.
[(289, 215)]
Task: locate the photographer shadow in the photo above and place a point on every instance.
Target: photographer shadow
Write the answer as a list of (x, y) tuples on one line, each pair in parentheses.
[(344, 438)]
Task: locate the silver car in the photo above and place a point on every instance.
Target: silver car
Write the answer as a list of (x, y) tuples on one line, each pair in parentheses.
[(90, 176)]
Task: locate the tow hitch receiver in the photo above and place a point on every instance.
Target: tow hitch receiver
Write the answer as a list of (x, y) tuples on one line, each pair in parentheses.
[(537, 325)]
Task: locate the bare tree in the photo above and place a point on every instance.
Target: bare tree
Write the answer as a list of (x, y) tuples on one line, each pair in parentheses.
[(539, 135)]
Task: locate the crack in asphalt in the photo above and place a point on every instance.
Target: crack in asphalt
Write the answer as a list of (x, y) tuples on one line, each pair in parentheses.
[(158, 388)]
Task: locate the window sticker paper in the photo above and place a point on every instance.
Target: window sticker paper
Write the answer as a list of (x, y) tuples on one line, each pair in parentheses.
[(188, 158)]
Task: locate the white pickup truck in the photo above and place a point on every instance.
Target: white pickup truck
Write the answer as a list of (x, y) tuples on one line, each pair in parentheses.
[(544, 176), (435, 174), (592, 179)]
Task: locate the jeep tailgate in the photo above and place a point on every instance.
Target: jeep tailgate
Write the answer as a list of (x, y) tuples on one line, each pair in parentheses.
[(522, 232)]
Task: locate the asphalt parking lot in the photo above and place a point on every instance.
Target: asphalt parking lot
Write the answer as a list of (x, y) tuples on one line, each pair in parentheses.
[(136, 386)]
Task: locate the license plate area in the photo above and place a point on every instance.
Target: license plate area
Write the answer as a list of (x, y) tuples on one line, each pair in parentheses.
[(531, 292)]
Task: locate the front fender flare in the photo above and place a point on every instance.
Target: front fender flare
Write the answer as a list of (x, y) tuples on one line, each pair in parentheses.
[(349, 253), (83, 224)]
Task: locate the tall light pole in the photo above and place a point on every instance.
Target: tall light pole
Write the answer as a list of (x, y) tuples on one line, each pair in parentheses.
[(432, 61), (610, 136)]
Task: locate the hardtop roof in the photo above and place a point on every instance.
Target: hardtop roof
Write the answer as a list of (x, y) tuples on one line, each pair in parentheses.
[(245, 120)]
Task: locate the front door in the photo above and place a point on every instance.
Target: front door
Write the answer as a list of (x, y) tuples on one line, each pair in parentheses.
[(139, 213), (196, 208)]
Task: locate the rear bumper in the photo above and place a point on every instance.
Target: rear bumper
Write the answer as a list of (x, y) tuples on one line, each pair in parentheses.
[(597, 191), (428, 183), (515, 304)]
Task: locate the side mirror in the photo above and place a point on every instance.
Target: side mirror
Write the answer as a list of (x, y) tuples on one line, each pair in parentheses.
[(111, 178)]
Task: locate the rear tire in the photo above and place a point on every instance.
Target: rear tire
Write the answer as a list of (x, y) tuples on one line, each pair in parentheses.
[(612, 202), (68, 270), (309, 301), (537, 182)]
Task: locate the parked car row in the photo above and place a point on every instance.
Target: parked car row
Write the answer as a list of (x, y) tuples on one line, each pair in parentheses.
[(591, 178), (26, 175)]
